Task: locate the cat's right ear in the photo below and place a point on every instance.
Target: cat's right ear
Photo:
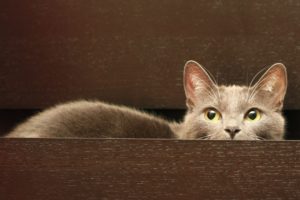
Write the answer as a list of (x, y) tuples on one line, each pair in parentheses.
[(272, 85), (196, 82)]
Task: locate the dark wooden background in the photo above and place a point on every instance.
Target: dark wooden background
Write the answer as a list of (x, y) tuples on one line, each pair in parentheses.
[(133, 52), (57, 169)]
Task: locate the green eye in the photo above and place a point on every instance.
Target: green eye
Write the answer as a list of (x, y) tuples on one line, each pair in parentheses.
[(212, 115), (253, 115)]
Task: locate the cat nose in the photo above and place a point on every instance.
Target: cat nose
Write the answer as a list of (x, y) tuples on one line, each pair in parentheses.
[(232, 130)]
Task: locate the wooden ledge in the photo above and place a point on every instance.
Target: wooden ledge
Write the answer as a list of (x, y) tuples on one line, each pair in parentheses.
[(148, 169)]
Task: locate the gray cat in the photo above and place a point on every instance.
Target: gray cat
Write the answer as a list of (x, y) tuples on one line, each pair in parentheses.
[(214, 112)]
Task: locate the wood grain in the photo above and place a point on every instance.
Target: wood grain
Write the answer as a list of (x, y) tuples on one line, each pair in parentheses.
[(148, 169), (133, 52)]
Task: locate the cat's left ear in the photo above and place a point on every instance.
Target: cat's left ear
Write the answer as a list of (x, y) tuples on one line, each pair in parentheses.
[(273, 85)]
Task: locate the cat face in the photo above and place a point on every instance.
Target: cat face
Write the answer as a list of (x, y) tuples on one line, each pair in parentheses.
[(234, 112)]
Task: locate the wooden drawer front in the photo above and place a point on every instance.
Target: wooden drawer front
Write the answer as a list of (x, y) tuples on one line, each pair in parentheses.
[(148, 169)]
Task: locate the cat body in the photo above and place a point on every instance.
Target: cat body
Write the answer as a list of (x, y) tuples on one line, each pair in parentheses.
[(214, 112), (93, 119)]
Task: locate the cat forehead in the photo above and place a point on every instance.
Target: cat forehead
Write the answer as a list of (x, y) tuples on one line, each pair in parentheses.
[(233, 89), (233, 98)]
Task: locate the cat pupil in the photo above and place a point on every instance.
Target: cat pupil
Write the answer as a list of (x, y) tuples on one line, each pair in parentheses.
[(211, 114), (252, 114)]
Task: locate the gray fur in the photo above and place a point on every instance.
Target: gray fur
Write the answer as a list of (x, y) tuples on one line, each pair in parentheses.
[(93, 119), (233, 102), (97, 119)]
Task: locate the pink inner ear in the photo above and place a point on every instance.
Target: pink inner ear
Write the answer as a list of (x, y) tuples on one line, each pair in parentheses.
[(194, 72), (279, 86), (274, 82), (190, 87)]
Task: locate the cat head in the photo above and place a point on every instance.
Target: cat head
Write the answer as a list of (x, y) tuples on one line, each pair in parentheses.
[(234, 112)]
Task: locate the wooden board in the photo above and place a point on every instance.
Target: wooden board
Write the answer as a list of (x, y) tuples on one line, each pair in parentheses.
[(133, 52), (91, 169)]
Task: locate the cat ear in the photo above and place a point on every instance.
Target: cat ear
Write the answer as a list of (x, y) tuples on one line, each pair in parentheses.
[(273, 85), (196, 81)]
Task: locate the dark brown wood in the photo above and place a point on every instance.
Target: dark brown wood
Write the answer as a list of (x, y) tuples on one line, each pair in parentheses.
[(133, 52), (148, 169)]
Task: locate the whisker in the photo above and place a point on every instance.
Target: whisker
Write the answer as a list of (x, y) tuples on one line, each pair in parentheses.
[(211, 135), (253, 79), (215, 81), (203, 138), (210, 74), (259, 138), (255, 88), (216, 84)]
